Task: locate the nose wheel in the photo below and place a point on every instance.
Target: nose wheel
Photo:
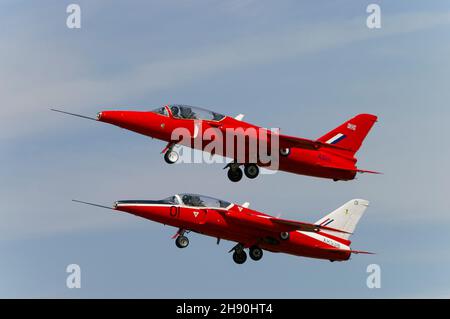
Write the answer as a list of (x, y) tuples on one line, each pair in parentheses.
[(182, 241), (171, 157)]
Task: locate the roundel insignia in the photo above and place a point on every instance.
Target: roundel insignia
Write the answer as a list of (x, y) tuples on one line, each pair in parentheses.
[(356, 202)]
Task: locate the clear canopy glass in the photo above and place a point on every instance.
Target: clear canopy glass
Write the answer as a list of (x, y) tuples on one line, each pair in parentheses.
[(161, 110), (203, 201), (171, 200), (182, 111)]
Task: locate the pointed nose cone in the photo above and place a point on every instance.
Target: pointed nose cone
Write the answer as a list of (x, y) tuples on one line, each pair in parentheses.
[(138, 121), (150, 209), (121, 206), (113, 117)]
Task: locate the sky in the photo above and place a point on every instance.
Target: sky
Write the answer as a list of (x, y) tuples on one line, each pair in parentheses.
[(301, 66)]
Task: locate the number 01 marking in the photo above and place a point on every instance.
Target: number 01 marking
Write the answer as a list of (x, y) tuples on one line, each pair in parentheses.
[(175, 212)]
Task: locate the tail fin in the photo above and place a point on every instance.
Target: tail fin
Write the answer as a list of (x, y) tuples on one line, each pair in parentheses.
[(345, 217), (352, 133)]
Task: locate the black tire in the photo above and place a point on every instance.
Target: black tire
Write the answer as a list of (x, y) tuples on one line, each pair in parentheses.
[(182, 241), (171, 157), (284, 235), (251, 171), (256, 253), (235, 174), (239, 257)]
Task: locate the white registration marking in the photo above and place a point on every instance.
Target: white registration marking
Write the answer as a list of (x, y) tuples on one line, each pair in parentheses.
[(326, 240)]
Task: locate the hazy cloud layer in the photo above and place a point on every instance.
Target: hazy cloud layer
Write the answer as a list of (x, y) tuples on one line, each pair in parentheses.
[(302, 67)]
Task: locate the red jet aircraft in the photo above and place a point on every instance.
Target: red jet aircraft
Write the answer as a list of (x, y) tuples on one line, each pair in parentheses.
[(328, 238), (331, 156)]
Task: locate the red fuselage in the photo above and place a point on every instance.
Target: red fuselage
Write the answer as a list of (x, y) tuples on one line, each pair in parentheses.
[(241, 225), (323, 162)]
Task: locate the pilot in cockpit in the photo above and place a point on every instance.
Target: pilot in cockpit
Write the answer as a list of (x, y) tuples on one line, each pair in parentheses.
[(193, 200), (187, 113)]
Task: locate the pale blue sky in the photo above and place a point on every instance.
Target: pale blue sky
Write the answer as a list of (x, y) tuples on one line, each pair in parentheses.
[(302, 66)]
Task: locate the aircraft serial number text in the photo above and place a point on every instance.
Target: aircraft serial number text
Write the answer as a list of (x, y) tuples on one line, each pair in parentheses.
[(246, 308), (228, 308)]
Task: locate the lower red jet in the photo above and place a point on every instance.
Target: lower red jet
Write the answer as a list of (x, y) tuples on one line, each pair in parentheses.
[(328, 238), (331, 156)]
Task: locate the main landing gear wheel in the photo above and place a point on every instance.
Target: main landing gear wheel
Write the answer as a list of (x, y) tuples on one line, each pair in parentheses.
[(255, 253), (171, 157), (284, 235), (182, 241), (239, 256), (251, 171), (235, 174)]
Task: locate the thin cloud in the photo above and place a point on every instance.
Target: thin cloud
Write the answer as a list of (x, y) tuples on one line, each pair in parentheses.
[(36, 94)]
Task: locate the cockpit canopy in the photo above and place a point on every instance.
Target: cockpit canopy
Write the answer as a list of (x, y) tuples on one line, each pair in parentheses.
[(161, 110), (188, 112), (195, 200)]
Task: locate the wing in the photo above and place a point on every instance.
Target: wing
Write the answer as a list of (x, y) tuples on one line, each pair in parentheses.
[(291, 141), (307, 227), (298, 142)]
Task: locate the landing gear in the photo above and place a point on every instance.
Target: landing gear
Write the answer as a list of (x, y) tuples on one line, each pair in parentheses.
[(235, 173), (284, 235), (251, 171), (255, 253), (182, 241), (171, 157), (239, 256)]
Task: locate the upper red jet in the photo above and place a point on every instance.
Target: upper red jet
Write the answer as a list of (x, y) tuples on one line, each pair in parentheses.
[(330, 156)]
